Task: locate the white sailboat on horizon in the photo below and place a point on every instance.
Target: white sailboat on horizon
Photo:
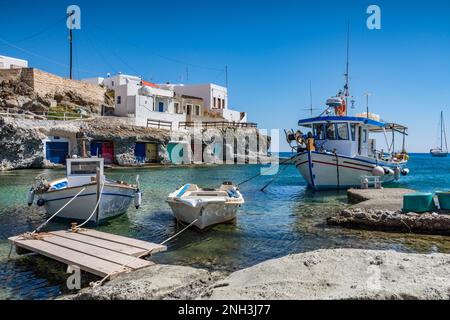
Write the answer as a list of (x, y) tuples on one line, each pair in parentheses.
[(440, 151)]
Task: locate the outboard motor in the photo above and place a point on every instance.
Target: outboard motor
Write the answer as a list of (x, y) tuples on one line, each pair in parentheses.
[(30, 196), (405, 172)]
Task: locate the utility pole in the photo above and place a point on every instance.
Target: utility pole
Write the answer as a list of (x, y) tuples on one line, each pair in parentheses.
[(367, 94), (70, 41)]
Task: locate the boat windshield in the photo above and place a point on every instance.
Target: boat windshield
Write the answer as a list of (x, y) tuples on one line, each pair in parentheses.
[(83, 168)]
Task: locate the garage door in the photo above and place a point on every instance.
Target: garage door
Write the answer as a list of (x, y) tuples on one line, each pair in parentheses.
[(152, 153), (104, 149), (139, 152), (57, 152)]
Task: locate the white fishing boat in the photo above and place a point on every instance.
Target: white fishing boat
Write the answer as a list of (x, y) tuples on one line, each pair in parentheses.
[(441, 151), (207, 206), (85, 193)]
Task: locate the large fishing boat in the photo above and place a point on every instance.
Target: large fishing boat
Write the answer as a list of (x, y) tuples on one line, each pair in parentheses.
[(441, 151), (338, 151)]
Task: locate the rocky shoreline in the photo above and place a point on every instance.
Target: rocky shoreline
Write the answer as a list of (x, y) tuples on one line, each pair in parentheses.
[(321, 274), (381, 210)]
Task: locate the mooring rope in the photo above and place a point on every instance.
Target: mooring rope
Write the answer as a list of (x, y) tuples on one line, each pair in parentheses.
[(102, 281), (95, 209), (57, 212), (177, 234), (259, 174)]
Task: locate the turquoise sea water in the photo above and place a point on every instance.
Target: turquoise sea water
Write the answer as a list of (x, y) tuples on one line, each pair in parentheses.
[(286, 218)]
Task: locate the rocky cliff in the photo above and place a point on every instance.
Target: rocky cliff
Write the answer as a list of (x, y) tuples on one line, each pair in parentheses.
[(22, 141)]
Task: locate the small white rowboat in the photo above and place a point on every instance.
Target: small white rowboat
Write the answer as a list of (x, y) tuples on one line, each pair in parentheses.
[(208, 206)]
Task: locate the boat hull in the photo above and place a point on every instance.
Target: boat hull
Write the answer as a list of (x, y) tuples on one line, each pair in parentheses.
[(325, 171), (115, 201), (439, 154), (207, 214)]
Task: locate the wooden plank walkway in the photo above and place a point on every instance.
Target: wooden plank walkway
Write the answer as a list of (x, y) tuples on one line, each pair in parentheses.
[(99, 253)]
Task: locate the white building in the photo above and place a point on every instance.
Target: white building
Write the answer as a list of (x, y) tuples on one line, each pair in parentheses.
[(12, 63), (215, 98), (174, 103)]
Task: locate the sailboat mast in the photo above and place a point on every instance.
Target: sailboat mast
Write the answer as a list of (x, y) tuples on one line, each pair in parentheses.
[(444, 132), (310, 98)]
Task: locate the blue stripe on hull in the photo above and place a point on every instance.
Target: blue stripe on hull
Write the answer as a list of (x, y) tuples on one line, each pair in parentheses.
[(91, 194)]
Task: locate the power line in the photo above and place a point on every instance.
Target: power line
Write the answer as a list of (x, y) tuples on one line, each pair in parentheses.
[(42, 57), (37, 34)]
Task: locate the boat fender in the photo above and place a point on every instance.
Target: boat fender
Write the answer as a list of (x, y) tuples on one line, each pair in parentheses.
[(30, 198), (40, 202), (378, 171), (405, 172), (137, 199)]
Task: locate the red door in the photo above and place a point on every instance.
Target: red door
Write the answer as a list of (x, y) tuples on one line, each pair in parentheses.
[(108, 152)]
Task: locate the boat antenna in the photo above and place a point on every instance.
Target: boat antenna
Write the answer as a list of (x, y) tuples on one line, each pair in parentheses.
[(346, 87)]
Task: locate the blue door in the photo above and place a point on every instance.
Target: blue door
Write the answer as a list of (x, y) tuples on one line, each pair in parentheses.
[(57, 152), (96, 149), (139, 152), (161, 107)]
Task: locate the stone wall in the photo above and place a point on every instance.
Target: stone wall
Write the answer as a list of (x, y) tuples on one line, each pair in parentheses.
[(47, 84), (30, 89)]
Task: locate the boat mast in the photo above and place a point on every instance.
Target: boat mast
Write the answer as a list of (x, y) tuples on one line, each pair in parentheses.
[(346, 87), (310, 99)]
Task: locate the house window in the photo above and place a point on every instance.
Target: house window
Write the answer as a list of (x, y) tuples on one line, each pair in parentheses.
[(215, 102), (112, 83), (161, 106), (177, 107), (223, 103), (119, 99), (197, 110), (189, 109)]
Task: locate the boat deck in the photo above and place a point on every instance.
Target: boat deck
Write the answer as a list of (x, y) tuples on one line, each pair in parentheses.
[(102, 254)]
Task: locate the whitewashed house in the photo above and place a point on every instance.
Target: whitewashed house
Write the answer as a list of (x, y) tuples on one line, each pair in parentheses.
[(12, 63), (215, 99), (141, 100)]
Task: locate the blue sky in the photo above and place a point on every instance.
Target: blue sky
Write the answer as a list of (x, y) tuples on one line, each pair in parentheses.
[(273, 49)]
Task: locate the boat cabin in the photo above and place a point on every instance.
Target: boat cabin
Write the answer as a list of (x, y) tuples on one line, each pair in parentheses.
[(349, 136), (82, 171)]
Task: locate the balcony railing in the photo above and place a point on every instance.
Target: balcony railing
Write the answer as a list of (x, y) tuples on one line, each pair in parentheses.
[(160, 124)]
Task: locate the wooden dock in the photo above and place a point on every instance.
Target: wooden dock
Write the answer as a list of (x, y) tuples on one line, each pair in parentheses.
[(99, 253)]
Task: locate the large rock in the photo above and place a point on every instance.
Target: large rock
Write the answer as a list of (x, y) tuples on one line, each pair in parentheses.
[(340, 274), (153, 283)]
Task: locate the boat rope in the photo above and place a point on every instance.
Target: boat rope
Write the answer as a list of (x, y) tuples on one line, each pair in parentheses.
[(274, 178), (10, 251), (95, 209), (57, 212), (180, 232), (261, 173), (102, 281)]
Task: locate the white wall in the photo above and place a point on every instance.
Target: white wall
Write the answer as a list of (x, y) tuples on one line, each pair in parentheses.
[(96, 80), (9, 63), (205, 91)]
